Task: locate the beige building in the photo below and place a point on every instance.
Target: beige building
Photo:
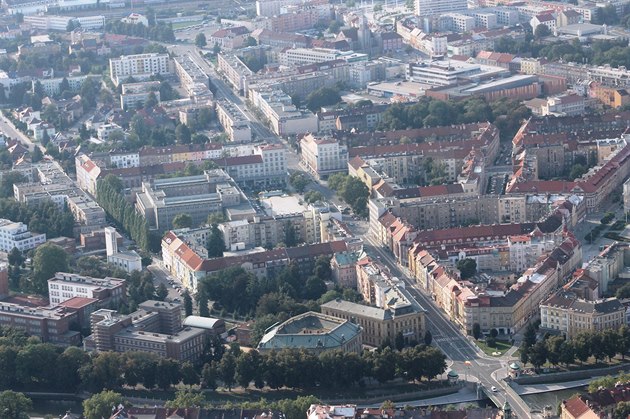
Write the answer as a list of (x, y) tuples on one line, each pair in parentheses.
[(569, 315), (380, 325), (323, 156)]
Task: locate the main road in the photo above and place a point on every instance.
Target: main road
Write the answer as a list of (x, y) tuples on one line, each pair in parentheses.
[(467, 359)]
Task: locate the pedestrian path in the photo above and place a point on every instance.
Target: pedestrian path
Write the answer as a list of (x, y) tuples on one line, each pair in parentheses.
[(466, 394), (525, 389)]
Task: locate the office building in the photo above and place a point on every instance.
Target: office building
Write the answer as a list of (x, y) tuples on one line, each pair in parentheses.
[(64, 286), (424, 8)]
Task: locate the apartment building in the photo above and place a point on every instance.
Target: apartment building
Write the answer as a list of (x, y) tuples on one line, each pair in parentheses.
[(234, 70), (451, 72), (233, 122), (609, 96), (60, 23), (192, 77), (135, 94), (181, 260), (64, 286), (284, 117), (299, 56), (569, 315), (139, 64), (315, 333), (16, 235), (323, 156), (52, 87)]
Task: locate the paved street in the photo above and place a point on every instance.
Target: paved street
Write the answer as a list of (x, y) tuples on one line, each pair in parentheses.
[(10, 131)]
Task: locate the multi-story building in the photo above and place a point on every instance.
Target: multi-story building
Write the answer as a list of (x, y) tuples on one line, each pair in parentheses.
[(313, 332), (437, 7), (233, 122), (183, 262), (284, 117), (134, 95), (16, 235), (569, 315), (609, 96), (52, 325), (323, 156), (61, 23), (145, 331), (64, 286), (192, 78), (448, 73), (379, 325), (140, 64), (52, 87), (161, 200)]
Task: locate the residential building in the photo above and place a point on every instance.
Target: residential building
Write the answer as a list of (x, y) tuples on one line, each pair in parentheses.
[(16, 235), (599, 404), (609, 96), (323, 156), (284, 117), (61, 23), (344, 269), (134, 95), (313, 332), (141, 64), (379, 325), (233, 122), (64, 286), (568, 315), (547, 19)]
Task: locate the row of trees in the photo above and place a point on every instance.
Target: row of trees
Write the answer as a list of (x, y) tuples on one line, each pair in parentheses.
[(352, 191), (157, 32), (45, 217), (556, 350), (334, 369), (506, 114), (110, 197)]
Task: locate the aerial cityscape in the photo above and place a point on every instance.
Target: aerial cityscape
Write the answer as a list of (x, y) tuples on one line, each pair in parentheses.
[(314, 209)]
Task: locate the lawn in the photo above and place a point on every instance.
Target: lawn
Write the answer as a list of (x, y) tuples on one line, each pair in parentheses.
[(501, 346)]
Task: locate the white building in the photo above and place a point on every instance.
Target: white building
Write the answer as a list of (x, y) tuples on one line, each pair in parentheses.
[(64, 286), (14, 234), (136, 19), (130, 65), (233, 122), (60, 23), (324, 156), (105, 130), (284, 117), (438, 7), (128, 261), (135, 94), (52, 87)]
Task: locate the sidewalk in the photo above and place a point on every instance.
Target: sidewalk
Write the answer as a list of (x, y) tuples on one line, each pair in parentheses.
[(464, 395), (543, 388)]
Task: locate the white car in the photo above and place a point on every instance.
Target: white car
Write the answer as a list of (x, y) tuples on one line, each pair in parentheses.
[(494, 389)]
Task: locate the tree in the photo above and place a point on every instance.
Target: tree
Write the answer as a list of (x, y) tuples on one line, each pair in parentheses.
[(476, 331), (167, 372), (188, 304), (101, 405), (399, 341), (227, 370), (494, 333), (151, 102), (538, 354), (621, 410), (37, 154), (14, 405), (49, 259), (567, 354), (299, 181), (161, 292), (554, 349), (182, 220), (467, 267), (200, 40), (577, 170), (428, 338), (209, 376), (187, 398), (182, 134), (290, 235), (323, 96), (529, 337), (356, 194), (15, 257), (8, 180), (204, 311), (541, 31), (334, 26), (216, 243), (248, 366), (313, 196), (250, 42)]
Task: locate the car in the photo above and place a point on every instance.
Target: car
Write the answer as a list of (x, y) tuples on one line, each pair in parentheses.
[(494, 389)]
